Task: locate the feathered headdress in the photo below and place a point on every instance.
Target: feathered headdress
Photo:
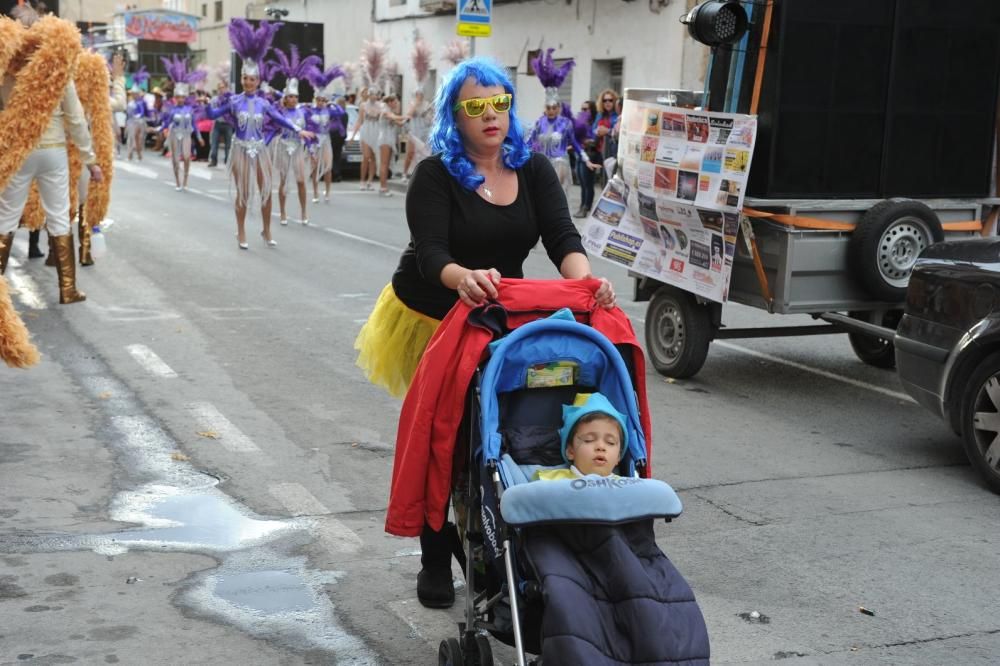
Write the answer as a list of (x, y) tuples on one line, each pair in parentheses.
[(139, 77), (550, 75), (322, 81), (389, 76), (295, 67), (421, 59), (177, 69), (456, 51), (251, 45), (352, 71), (373, 61), (222, 71)]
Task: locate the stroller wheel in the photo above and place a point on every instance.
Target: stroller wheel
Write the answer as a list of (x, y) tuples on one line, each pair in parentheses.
[(450, 653), (484, 652)]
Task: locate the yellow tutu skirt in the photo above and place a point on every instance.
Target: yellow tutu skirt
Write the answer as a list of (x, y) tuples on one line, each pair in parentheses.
[(391, 343)]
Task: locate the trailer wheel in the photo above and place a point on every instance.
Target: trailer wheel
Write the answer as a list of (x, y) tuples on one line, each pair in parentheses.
[(678, 332), (877, 352), (886, 243)]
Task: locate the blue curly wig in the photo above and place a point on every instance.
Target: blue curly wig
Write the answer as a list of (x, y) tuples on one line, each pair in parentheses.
[(445, 138)]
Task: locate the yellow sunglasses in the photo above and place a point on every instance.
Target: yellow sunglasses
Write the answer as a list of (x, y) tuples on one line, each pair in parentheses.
[(476, 106)]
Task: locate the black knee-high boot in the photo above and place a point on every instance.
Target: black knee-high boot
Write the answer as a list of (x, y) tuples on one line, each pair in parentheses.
[(435, 588), (33, 251)]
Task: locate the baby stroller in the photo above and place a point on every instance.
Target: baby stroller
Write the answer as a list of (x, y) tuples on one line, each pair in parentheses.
[(554, 568)]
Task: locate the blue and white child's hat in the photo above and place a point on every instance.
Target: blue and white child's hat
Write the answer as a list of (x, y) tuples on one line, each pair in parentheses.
[(588, 403)]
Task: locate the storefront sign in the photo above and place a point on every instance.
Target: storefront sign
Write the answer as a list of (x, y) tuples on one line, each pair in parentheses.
[(162, 26)]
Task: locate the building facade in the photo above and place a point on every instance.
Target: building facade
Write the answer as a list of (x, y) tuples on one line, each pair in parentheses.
[(616, 43)]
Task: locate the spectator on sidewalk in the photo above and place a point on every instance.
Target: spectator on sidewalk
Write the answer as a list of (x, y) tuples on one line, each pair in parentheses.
[(222, 129)]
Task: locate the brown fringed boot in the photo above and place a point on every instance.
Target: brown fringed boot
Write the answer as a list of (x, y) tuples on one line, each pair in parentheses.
[(50, 260), (86, 259), (6, 242), (62, 248)]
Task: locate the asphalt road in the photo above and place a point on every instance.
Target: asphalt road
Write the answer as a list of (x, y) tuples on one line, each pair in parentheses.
[(197, 472)]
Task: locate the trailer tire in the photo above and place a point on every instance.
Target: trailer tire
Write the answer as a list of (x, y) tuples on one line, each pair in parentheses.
[(886, 243), (876, 352), (678, 332)]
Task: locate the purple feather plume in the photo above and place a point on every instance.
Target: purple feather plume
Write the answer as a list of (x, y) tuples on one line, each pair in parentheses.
[(252, 44), (320, 79), (267, 70), (548, 73), (294, 67), (177, 69), (140, 76)]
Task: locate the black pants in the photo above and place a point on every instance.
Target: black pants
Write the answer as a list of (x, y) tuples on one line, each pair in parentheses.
[(224, 131), (337, 144)]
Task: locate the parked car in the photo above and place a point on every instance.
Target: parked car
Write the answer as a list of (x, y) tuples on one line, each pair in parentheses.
[(350, 160), (948, 344)]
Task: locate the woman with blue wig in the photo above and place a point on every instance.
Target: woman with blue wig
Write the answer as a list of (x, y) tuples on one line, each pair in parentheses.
[(475, 209)]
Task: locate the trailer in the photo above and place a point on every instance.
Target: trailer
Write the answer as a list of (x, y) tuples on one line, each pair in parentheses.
[(820, 235)]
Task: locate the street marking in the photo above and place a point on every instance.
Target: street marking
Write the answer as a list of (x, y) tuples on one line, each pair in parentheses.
[(816, 371), (238, 312), (807, 368), (120, 313), (145, 172), (298, 500), (429, 625), (25, 287), (211, 419), (361, 239), (337, 536), (152, 363)]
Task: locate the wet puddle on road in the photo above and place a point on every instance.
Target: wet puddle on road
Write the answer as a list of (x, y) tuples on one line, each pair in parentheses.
[(255, 588), (266, 592)]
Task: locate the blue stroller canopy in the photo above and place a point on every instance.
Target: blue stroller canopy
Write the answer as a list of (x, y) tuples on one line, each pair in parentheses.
[(599, 365)]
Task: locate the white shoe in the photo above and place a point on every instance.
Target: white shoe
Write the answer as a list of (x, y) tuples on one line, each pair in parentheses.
[(283, 222), (270, 243), (177, 188), (305, 221), (315, 200), (326, 198)]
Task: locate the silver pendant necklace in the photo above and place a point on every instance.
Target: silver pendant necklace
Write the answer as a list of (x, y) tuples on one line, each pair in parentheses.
[(487, 191)]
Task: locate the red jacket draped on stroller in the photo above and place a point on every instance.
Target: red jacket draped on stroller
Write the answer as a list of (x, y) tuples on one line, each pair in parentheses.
[(433, 407)]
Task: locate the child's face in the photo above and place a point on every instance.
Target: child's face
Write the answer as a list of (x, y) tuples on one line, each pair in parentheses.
[(596, 447)]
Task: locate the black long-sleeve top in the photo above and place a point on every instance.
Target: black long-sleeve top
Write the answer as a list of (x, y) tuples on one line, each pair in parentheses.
[(448, 224)]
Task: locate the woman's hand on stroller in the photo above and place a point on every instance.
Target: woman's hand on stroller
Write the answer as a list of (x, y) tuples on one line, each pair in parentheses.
[(478, 286), (605, 294)]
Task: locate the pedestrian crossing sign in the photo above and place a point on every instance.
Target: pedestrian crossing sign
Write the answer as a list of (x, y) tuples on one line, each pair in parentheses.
[(474, 17)]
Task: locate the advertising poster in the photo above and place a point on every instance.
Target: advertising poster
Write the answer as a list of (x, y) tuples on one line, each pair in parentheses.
[(672, 212)]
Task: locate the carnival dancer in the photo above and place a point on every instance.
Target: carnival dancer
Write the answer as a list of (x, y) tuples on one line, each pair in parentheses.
[(553, 133), (366, 131), (178, 119), (136, 115), (250, 165), (39, 90), (420, 114), (290, 150), (320, 121), (390, 122)]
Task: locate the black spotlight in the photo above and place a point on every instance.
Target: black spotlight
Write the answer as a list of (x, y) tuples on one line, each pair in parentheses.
[(716, 22)]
